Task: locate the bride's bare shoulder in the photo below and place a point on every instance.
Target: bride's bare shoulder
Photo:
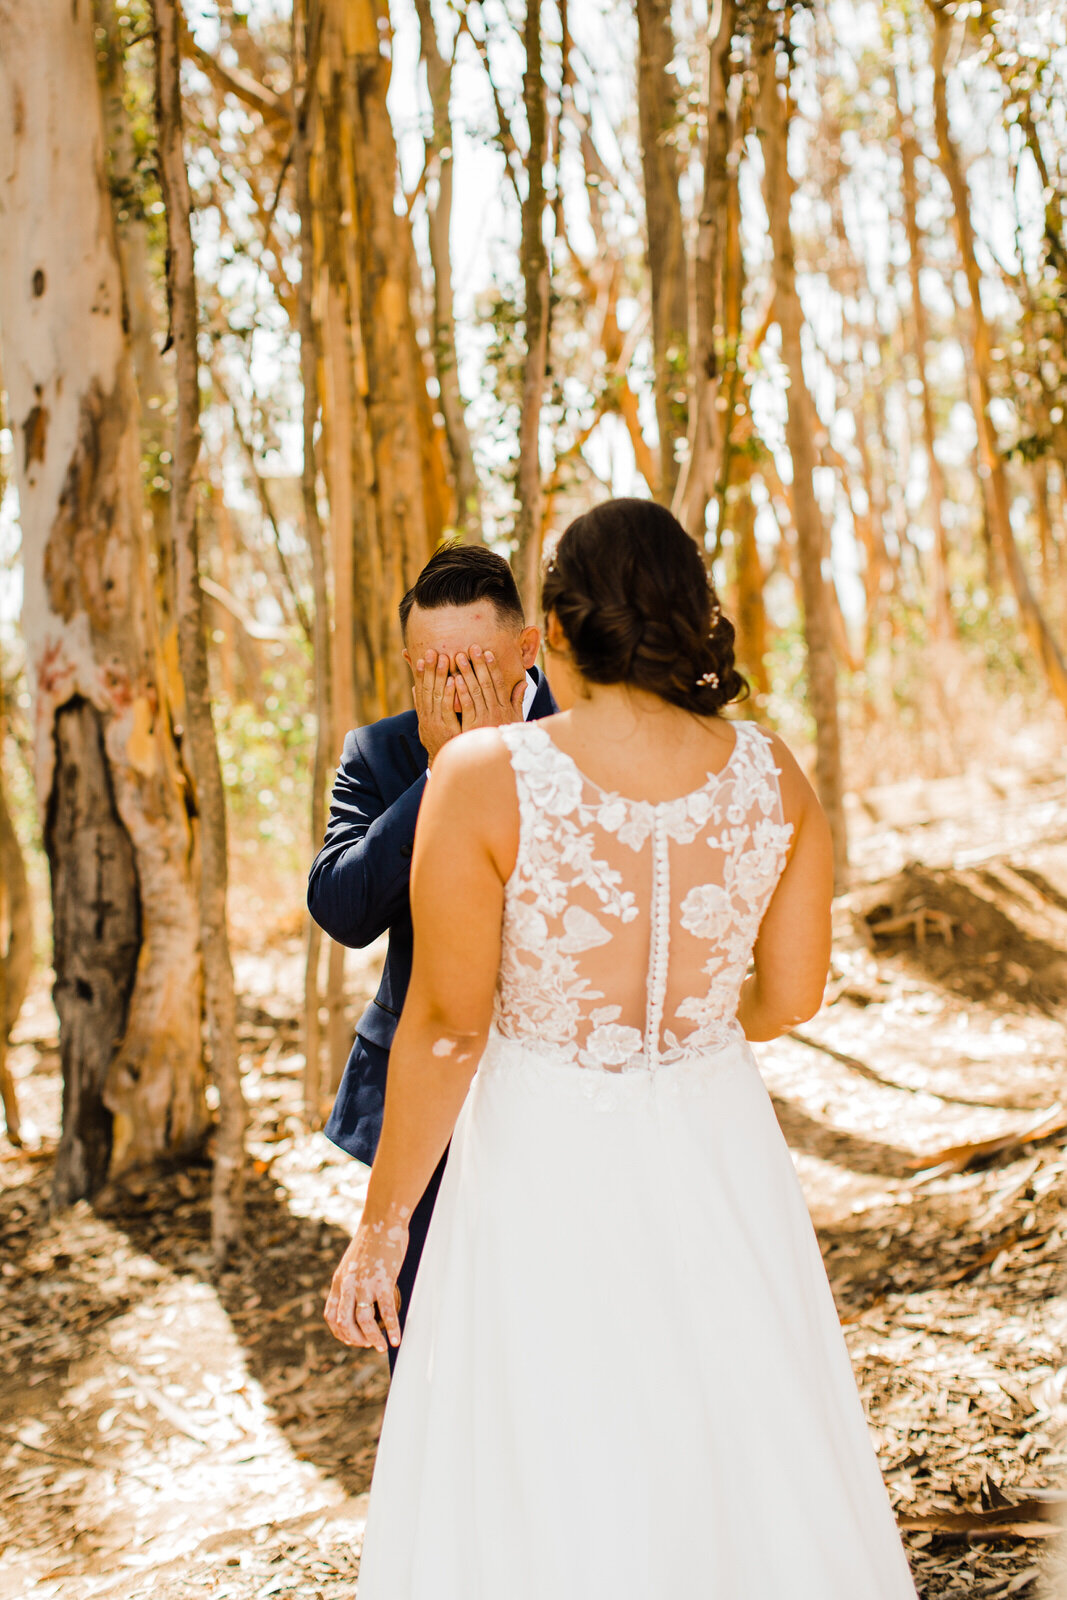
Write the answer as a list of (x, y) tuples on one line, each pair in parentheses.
[(474, 772), (798, 796), (472, 796)]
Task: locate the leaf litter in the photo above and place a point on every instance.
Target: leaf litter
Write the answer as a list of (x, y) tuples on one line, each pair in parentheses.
[(166, 1432)]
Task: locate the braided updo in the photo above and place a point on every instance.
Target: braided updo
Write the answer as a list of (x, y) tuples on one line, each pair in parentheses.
[(636, 604)]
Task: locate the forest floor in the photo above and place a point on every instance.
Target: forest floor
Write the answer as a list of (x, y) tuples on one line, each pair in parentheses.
[(164, 1433)]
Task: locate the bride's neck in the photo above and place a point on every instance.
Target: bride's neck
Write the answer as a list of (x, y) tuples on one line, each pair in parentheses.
[(622, 705)]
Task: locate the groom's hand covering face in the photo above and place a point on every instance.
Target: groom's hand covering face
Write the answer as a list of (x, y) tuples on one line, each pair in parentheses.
[(434, 696), (469, 669), (481, 690)]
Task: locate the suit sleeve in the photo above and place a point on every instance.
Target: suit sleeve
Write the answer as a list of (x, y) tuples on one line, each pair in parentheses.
[(358, 883)]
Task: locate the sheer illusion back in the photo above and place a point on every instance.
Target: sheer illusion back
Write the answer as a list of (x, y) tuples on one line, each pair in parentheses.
[(628, 926)]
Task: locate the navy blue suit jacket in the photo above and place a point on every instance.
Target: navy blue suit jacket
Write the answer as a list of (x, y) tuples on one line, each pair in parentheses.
[(358, 889)]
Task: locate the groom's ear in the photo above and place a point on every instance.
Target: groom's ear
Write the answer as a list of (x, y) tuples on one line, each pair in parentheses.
[(529, 644)]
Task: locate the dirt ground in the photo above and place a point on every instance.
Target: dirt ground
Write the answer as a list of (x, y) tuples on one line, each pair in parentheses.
[(164, 1433)]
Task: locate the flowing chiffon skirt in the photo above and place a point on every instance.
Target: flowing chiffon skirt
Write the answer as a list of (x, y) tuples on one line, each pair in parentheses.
[(623, 1376)]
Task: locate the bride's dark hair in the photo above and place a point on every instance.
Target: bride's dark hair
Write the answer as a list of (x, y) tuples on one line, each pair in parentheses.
[(636, 604)]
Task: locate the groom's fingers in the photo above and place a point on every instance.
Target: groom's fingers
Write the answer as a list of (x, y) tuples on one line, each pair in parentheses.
[(488, 682), (424, 675), (440, 683), (498, 688), (467, 681), (467, 708)]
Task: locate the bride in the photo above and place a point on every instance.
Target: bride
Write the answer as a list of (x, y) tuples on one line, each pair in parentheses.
[(622, 1375)]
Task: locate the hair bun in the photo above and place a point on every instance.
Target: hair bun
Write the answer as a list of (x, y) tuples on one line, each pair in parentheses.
[(636, 604)]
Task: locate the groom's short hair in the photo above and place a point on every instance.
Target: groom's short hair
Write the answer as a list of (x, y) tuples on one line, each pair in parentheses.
[(458, 575)]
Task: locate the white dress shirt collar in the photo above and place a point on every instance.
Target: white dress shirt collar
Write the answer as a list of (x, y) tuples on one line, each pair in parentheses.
[(529, 696)]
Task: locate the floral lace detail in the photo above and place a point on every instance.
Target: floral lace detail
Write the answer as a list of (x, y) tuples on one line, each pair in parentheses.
[(616, 904)]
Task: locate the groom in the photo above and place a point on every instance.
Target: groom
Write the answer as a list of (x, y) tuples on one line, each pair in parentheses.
[(462, 620)]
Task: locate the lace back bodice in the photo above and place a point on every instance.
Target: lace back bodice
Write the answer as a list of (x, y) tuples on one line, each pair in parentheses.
[(628, 926)]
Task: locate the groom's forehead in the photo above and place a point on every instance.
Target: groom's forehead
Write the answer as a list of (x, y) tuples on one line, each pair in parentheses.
[(452, 628)]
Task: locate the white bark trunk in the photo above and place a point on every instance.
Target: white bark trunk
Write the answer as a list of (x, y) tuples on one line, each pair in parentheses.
[(88, 619)]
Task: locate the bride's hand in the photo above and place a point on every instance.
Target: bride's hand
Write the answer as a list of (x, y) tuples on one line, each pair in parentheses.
[(364, 1284)]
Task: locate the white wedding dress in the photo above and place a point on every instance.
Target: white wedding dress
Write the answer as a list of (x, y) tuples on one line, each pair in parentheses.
[(622, 1376)]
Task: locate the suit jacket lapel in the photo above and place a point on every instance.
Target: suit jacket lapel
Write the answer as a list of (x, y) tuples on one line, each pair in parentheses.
[(415, 755), (543, 703)]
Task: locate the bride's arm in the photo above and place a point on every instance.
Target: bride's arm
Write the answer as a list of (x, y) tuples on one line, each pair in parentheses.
[(792, 952), (465, 848)]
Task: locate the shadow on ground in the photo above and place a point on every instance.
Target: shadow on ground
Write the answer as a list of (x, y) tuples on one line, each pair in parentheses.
[(997, 933)]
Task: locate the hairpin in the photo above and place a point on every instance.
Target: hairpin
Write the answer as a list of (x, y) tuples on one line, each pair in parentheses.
[(708, 680)]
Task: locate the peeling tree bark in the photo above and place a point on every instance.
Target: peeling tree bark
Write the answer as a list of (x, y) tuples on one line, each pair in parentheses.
[(109, 779), (227, 1198), (657, 107), (142, 313), (97, 939), (800, 440)]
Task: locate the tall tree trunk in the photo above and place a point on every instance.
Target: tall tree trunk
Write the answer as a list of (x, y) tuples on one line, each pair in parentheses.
[(1045, 536), (357, 639), (109, 780), (306, 43), (872, 526), (1035, 626), (535, 278), (384, 466), (225, 631), (942, 609), (16, 939), (227, 1197), (657, 107), (352, 521), (698, 481), (800, 440), (154, 386), (439, 149), (751, 615), (408, 467)]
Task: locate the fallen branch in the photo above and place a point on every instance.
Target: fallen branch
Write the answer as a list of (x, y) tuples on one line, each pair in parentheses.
[(917, 921), (856, 1065), (1027, 1519), (958, 1157)]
